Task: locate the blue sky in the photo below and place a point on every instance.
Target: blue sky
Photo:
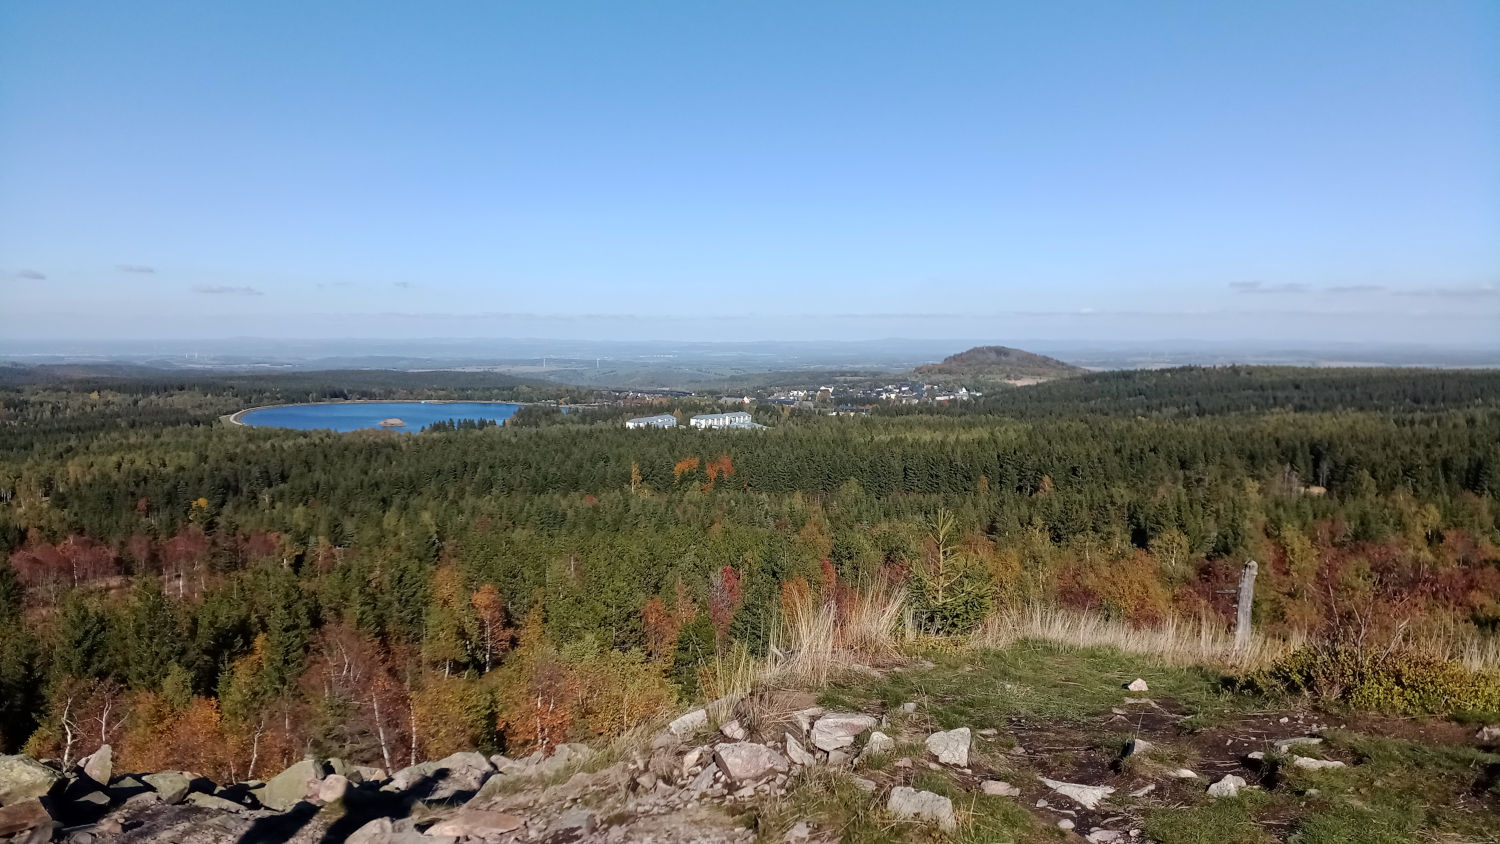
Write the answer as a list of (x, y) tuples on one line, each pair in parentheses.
[(1267, 171)]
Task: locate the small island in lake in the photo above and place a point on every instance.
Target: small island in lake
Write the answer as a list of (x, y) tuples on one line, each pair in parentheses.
[(392, 423)]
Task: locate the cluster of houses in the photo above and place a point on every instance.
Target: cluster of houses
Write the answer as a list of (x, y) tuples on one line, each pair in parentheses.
[(903, 392), (736, 419)]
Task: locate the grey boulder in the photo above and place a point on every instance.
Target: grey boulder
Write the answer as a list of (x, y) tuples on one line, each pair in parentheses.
[(747, 762), (289, 787), (22, 778), (907, 802)]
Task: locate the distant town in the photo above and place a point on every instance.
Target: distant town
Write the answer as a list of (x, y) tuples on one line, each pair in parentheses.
[(835, 400)]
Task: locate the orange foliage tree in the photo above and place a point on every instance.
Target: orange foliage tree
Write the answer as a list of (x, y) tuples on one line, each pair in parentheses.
[(536, 690), (685, 466), (724, 598), (494, 634), (449, 715)]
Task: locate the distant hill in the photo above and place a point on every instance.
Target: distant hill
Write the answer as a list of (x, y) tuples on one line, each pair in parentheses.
[(997, 364)]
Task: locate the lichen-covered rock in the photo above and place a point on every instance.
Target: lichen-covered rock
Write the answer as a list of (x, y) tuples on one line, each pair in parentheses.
[(409, 776), (907, 802), (170, 786), (806, 717), (1310, 764), (1229, 786), (22, 778), (562, 756), (746, 762), (218, 804), (469, 761), (796, 752), (999, 788), (878, 743), (100, 765), (1087, 796), (289, 787), (1182, 774), (477, 823), (574, 823), (689, 723), (951, 747), (838, 729), (333, 788)]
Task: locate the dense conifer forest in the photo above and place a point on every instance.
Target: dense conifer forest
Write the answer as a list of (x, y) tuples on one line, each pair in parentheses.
[(223, 599)]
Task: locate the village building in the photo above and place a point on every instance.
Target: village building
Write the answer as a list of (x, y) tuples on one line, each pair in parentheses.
[(734, 419), (662, 420)]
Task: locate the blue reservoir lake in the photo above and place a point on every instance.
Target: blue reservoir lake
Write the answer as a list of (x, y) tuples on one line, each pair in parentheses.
[(355, 416)]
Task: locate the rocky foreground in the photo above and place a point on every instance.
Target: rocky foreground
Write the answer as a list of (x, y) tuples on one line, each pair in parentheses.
[(695, 781)]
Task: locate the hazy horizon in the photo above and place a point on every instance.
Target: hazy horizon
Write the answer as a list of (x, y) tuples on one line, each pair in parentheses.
[(1283, 173)]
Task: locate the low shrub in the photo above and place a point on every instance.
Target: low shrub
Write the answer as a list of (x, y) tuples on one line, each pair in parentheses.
[(1382, 680)]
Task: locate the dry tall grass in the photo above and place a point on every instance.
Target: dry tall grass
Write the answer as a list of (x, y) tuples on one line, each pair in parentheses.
[(1174, 641), (814, 640), (1475, 650), (818, 638)]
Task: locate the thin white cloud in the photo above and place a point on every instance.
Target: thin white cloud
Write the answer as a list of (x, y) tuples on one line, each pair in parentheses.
[(226, 290), (31, 275), (1263, 287), (1473, 291), (135, 268)]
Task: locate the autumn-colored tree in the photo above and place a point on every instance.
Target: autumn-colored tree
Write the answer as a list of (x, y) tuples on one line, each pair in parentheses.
[(537, 690), (719, 467), (685, 466), (494, 634), (449, 714), (192, 737), (89, 559), (451, 623), (185, 556), (796, 596), (724, 597), (617, 690), (142, 744), (661, 628), (85, 714), (261, 725), (356, 693)]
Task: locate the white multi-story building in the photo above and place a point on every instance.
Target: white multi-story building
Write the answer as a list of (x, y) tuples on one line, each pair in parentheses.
[(663, 420), (735, 419)]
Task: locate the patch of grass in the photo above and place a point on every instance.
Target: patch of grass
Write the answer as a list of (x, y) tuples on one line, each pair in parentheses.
[(1225, 821), (1399, 791), (1345, 823), (1000, 820), (841, 811), (831, 802), (1031, 680)]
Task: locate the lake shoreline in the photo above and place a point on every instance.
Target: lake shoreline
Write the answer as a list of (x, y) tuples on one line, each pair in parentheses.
[(237, 418)]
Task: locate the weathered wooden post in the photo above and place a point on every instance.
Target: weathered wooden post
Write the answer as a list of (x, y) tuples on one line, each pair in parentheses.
[(1247, 597)]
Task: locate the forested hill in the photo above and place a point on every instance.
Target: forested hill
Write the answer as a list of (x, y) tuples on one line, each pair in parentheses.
[(199, 585), (1208, 391), (995, 364)]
